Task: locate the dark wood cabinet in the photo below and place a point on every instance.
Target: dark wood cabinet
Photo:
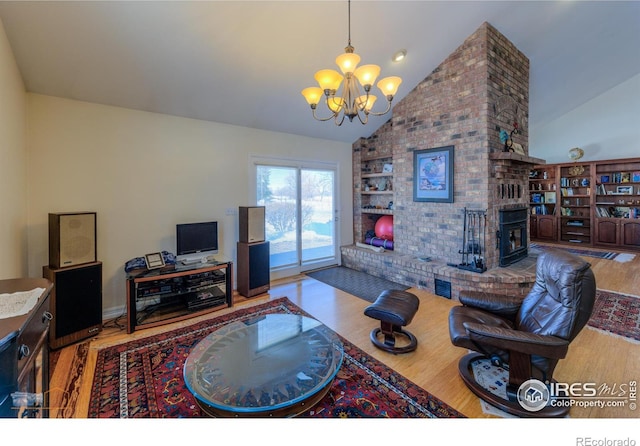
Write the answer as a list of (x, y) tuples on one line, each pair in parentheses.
[(630, 233), (543, 228), (607, 231), (24, 353), (621, 232)]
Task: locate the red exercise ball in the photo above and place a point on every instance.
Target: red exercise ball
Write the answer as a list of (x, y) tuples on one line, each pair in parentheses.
[(384, 227)]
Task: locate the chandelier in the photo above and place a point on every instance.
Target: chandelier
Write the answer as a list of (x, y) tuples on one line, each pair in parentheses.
[(351, 101)]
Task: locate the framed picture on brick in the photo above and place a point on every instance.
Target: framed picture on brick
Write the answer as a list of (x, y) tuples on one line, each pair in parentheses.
[(433, 175)]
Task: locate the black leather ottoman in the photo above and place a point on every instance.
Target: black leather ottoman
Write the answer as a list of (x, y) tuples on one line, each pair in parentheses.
[(394, 309)]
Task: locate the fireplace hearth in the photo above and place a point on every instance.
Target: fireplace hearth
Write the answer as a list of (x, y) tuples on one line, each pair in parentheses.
[(511, 237)]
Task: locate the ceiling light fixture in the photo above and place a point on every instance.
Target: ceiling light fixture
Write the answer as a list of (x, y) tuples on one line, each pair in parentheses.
[(399, 55), (351, 102)]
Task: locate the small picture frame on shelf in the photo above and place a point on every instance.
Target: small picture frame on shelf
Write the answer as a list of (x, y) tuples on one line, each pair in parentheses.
[(624, 190), (154, 260), (604, 179), (625, 177), (550, 197), (635, 177)]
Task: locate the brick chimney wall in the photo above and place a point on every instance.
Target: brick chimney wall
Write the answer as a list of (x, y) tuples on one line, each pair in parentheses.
[(455, 105)]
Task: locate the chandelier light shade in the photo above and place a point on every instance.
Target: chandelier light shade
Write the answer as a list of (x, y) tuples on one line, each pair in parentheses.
[(349, 94)]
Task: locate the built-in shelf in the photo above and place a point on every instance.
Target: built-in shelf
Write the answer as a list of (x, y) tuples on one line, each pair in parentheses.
[(377, 157), (377, 175), (377, 211)]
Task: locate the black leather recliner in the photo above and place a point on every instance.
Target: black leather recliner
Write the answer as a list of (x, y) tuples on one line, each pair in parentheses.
[(527, 336)]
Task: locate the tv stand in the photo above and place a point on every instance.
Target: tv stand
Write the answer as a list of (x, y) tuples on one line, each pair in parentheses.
[(178, 292)]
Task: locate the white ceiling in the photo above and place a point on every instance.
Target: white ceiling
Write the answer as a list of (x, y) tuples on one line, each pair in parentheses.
[(245, 62)]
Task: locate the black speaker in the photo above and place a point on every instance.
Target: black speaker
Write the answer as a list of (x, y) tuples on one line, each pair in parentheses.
[(72, 239), (76, 303), (251, 223), (253, 268)]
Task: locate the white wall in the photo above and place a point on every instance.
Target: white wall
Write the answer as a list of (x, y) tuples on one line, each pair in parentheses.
[(13, 166), (143, 173), (607, 127)]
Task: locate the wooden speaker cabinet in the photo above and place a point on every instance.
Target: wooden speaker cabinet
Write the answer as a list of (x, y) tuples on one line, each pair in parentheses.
[(76, 303), (252, 229), (253, 268), (72, 239)]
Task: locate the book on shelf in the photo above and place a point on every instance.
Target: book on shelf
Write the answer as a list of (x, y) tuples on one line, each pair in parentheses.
[(566, 212), (542, 210)]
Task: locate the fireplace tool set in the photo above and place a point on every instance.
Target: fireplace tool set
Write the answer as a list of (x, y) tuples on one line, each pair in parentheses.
[(473, 241)]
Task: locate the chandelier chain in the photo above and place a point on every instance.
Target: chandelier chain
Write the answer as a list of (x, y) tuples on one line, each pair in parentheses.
[(349, 22)]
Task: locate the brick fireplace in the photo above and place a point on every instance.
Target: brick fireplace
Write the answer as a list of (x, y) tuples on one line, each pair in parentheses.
[(481, 88)]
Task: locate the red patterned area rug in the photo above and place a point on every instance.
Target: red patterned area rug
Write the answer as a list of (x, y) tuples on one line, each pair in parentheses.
[(143, 378), (617, 314)]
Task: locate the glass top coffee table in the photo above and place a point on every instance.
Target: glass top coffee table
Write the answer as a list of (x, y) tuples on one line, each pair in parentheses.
[(274, 365)]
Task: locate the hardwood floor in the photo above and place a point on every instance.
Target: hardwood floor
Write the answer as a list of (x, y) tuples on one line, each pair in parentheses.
[(593, 356)]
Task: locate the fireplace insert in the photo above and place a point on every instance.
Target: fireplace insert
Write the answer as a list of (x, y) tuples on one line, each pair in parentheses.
[(512, 235)]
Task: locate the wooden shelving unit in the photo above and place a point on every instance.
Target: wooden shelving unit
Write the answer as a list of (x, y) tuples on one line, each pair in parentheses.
[(543, 200), (575, 203), (597, 203), (617, 203)]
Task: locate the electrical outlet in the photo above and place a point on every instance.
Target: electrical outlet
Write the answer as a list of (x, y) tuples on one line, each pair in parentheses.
[(231, 211)]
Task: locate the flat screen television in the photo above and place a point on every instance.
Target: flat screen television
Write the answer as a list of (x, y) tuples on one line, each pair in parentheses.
[(196, 241)]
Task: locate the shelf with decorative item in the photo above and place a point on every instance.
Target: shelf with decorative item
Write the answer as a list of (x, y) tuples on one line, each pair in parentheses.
[(380, 165), (377, 184), (375, 175)]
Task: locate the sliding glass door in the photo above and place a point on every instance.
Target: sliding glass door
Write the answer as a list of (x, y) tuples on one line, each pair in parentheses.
[(300, 212)]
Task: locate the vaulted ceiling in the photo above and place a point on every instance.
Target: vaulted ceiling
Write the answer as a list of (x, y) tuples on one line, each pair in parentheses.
[(245, 62)]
